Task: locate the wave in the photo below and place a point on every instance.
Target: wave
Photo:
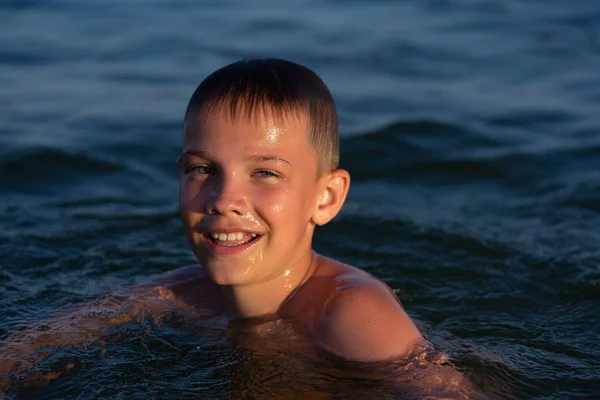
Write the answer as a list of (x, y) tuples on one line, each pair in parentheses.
[(36, 170), (416, 148), (532, 119), (428, 148), (428, 129), (43, 157)]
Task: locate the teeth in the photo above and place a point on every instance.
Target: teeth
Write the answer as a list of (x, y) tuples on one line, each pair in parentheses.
[(230, 237)]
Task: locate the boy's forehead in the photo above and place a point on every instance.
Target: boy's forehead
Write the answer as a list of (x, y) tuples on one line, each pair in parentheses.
[(268, 120)]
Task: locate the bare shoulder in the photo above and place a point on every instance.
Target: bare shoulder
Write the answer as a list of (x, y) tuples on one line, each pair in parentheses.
[(363, 319)]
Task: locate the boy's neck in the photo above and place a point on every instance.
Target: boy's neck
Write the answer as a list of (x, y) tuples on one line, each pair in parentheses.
[(267, 297)]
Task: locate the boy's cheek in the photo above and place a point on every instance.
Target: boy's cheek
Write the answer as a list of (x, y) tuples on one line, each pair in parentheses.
[(188, 192)]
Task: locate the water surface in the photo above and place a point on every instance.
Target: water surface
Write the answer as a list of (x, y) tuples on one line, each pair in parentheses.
[(471, 131)]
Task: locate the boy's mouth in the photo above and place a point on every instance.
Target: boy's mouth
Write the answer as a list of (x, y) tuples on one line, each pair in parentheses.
[(231, 239)]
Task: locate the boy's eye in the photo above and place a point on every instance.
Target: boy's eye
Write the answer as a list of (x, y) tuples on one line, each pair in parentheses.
[(198, 170), (263, 173)]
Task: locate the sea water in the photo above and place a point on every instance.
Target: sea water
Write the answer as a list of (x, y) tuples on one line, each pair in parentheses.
[(472, 134)]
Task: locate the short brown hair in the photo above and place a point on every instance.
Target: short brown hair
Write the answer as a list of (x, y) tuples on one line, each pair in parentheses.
[(278, 86)]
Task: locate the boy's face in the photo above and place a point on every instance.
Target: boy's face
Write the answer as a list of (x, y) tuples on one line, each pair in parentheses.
[(248, 191)]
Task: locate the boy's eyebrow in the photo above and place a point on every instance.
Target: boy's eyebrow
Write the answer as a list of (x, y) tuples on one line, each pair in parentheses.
[(256, 159), (262, 158), (197, 153)]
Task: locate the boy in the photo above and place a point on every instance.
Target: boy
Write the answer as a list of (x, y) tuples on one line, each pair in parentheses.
[(259, 170)]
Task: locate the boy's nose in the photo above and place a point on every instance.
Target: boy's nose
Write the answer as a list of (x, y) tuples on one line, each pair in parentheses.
[(226, 197)]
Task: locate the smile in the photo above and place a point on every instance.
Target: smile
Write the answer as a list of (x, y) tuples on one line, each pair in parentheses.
[(232, 237), (230, 242)]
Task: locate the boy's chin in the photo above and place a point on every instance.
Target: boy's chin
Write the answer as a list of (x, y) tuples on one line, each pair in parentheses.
[(226, 275)]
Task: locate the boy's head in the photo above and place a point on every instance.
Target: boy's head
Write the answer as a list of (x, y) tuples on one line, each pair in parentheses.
[(259, 169), (278, 88)]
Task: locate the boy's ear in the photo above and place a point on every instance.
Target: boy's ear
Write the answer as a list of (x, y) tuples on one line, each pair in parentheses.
[(334, 188)]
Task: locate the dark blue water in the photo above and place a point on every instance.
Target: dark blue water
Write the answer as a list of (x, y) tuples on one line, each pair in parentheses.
[(471, 130)]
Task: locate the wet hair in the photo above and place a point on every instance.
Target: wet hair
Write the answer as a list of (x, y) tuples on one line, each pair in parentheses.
[(279, 88)]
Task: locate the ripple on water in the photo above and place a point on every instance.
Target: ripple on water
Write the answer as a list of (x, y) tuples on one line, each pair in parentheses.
[(260, 360)]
